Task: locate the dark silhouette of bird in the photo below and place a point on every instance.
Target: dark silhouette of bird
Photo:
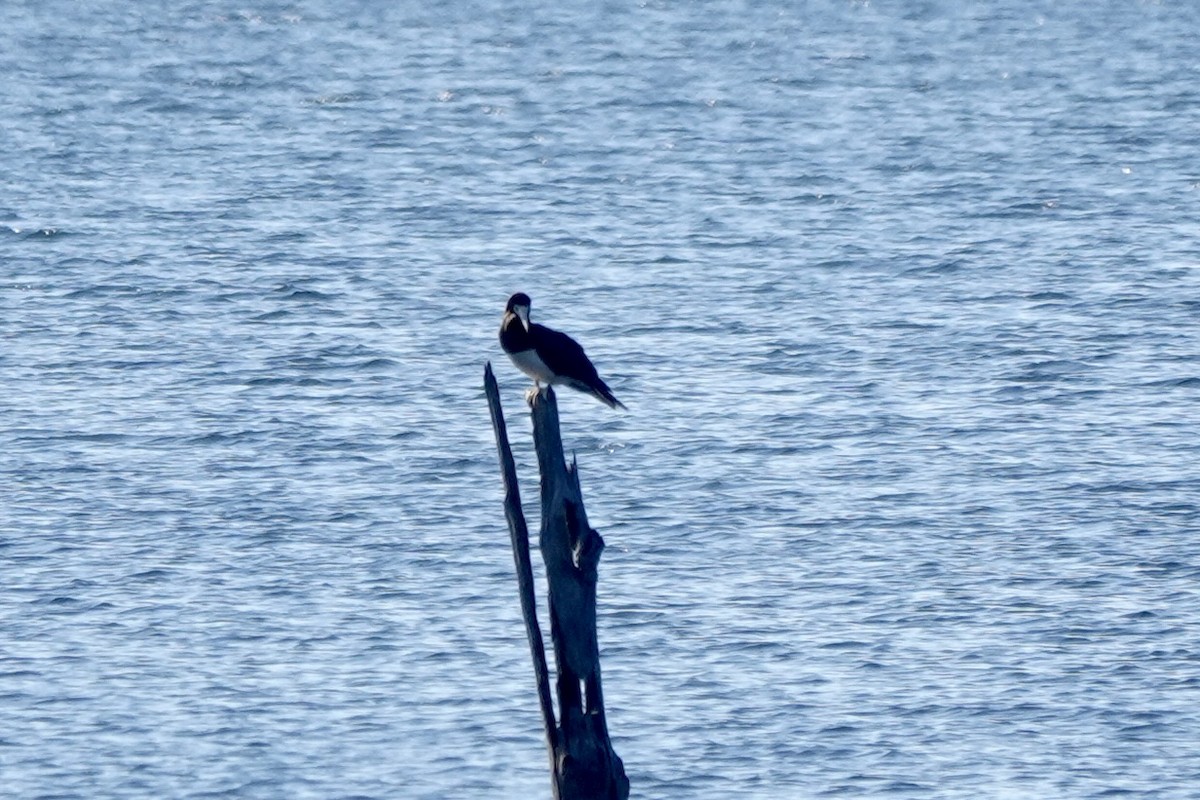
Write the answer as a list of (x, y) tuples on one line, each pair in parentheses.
[(548, 356)]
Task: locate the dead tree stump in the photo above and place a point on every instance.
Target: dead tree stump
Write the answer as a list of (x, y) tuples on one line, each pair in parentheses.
[(582, 761)]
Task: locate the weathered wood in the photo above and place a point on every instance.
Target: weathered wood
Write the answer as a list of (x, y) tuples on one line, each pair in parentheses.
[(584, 764), (519, 535), (587, 765)]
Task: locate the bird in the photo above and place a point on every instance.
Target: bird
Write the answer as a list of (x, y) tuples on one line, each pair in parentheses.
[(549, 356)]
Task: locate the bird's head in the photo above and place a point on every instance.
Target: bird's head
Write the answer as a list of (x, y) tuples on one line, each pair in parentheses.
[(519, 304)]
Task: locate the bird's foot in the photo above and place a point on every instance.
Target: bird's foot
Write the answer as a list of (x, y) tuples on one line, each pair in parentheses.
[(532, 393)]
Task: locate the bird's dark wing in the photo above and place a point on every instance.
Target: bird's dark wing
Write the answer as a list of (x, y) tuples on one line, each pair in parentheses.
[(562, 354), (566, 359)]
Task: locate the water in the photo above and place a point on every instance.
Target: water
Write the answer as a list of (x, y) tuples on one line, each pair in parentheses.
[(903, 298)]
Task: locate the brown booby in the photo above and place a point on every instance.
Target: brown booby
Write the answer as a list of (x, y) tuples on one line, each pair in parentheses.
[(548, 356)]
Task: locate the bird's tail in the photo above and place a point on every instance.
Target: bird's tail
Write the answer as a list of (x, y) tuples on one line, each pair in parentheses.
[(599, 390), (605, 395)]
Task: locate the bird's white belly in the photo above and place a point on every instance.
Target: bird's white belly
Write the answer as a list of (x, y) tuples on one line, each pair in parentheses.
[(532, 365)]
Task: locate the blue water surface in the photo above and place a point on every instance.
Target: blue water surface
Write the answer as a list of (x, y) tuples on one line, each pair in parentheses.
[(903, 298)]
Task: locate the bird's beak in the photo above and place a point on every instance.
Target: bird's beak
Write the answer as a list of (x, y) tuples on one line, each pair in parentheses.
[(523, 314)]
